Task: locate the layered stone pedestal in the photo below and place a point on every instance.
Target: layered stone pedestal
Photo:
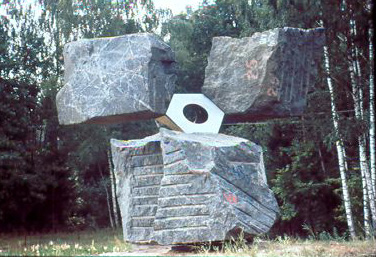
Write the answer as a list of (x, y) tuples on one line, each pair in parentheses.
[(176, 188)]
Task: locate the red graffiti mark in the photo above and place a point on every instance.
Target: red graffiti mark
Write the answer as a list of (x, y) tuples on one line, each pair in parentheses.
[(274, 81), (230, 197), (251, 69), (271, 92)]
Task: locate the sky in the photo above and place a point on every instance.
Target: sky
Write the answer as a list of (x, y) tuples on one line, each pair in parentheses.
[(177, 6)]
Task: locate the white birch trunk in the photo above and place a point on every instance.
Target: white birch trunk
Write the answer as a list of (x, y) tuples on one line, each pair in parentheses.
[(340, 149), (365, 170), (366, 221), (107, 197), (113, 190), (357, 93), (371, 104)]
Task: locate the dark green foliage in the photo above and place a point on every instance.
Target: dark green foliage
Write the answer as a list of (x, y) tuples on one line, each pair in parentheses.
[(4, 45), (305, 191), (88, 148), (17, 111), (34, 184)]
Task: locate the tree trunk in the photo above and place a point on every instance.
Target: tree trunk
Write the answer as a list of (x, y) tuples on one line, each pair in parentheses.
[(371, 103), (113, 190), (340, 149), (107, 197), (363, 163), (367, 178), (321, 160), (366, 221), (357, 93)]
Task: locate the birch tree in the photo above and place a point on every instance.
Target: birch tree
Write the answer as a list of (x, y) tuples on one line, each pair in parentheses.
[(357, 94), (108, 198), (113, 190), (371, 100), (340, 147), (366, 214)]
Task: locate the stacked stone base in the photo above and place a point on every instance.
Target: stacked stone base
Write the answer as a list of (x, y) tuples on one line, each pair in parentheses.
[(177, 188)]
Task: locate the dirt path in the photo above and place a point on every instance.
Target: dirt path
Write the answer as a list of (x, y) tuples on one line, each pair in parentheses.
[(155, 250)]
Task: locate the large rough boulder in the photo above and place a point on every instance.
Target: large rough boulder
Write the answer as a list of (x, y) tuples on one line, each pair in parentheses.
[(178, 188), (110, 80), (264, 76)]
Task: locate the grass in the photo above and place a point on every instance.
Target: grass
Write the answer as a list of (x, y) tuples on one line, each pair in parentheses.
[(63, 244), (288, 247), (107, 241), (314, 248)]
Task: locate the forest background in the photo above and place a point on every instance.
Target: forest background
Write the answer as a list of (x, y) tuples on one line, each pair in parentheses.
[(321, 166)]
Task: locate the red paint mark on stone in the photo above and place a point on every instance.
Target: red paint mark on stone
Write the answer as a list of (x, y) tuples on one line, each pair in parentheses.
[(274, 81), (230, 197), (271, 92), (251, 69)]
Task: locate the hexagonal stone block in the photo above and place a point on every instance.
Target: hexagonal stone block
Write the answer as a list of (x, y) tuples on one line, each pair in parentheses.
[(110, 80), (264, 76), (192, 113)]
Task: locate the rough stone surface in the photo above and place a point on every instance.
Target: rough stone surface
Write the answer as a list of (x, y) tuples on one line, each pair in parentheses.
[(138, 173), (264, 76), (110, 80), (208, 186)]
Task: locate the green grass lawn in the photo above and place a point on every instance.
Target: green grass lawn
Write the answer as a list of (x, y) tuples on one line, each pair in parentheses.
[(109, 241)]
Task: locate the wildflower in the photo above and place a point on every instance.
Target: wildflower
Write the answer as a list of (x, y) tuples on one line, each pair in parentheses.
[(105, 248), (65, 246), (35, 248), (51, 243)]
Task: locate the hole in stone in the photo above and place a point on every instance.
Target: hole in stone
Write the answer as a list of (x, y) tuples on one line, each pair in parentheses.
[(195, 113)]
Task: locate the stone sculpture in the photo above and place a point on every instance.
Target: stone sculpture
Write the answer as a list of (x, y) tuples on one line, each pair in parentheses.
[(182, 188), (264, 76), (110, 80), (190, 186)]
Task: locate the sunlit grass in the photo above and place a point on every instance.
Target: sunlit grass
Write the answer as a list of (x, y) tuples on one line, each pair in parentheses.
[(63, 244), (109, 241), (290, 247), (314, 248)]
